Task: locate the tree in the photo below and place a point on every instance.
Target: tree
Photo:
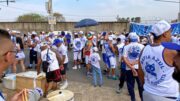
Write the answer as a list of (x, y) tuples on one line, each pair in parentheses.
[(31, 17), (59, 17)]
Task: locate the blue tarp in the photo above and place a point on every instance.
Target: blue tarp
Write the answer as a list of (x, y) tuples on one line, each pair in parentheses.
[(143, 30)]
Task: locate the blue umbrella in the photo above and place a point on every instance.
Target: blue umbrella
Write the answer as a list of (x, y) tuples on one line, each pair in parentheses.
[(86, 23)]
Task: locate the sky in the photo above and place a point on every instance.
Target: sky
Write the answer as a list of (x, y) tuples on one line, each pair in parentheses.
[(101, 10)]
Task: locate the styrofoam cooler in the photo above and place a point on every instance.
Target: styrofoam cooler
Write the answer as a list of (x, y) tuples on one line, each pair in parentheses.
[(61, 95), (9, 81)]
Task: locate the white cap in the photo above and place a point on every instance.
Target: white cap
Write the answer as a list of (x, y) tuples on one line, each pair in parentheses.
[(133, 35), (95, 49), (75, 33), (81, 32), (33, 32), (43, 44), (160, 27)]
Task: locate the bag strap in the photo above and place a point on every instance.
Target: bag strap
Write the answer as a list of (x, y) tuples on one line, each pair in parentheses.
[(47, 57)]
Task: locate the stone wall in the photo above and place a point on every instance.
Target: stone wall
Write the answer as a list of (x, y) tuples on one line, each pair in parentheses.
[(44, 26)]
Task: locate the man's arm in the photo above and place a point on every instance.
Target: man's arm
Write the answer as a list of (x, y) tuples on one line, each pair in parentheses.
[(39, 65), (141, 74), (112, 47)]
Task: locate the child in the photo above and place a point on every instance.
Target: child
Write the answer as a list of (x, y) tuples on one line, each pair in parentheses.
[(94, 60)]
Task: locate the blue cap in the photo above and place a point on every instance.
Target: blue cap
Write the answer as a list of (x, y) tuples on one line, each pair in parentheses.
[(104, 33), (172, 46), (57, 41)]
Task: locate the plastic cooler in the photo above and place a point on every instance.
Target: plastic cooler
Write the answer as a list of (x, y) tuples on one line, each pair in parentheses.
[(9, 81)]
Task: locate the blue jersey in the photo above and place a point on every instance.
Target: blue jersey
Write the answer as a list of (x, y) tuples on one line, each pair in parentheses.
[(108, 50)]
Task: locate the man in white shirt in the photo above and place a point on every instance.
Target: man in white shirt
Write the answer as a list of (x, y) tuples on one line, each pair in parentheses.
[(156, 66), (52, 71), (130, 56), (62, 49), (77, 45)]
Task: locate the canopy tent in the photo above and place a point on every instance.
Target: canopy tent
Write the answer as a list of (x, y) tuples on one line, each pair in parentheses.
[(143, 29)]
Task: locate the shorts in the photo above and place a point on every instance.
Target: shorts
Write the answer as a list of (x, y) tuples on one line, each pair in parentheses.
[(87, 59), (20, 55), (63, 72), (77, 55), (106, 60), (53, 76), (112, 61)]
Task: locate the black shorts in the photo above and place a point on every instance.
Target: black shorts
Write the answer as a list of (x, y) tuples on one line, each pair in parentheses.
[(53, 76), (63, 72)]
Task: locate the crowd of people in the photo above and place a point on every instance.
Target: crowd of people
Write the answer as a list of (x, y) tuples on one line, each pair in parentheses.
[(148, 60)]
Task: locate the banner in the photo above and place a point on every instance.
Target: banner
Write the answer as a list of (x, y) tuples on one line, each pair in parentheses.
[(143, 30)]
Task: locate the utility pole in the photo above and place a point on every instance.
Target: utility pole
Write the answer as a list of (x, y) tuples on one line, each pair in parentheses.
[(172, 2), (7, 1), (51, 19)]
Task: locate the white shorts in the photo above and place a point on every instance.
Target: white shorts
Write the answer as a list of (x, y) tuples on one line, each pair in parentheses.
[(20, 55), (112, 61), (87, 59), (77, 55)]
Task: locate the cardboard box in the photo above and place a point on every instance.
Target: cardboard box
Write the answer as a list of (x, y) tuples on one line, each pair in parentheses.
[(30, 80)]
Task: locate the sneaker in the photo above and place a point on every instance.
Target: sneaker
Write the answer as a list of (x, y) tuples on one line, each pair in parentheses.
[(118, 91), (114, 78), (64, 86), (89, 74), (79, 66), (75, 67)]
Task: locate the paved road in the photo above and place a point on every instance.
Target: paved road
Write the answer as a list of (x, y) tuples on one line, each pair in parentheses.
[(83, 89)]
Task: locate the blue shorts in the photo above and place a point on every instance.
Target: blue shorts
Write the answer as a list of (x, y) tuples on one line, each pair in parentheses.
[(106, 60)]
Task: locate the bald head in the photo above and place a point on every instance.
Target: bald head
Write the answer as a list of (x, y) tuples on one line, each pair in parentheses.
[(6, 50), (5, 42)]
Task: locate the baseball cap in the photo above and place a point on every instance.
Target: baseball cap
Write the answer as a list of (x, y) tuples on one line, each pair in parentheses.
[(75, 33), (133, 36), (89, 36), (160, 27), (81, 32), (43, 44), (57, 41), (62, 33), (172, 46), (95, 49), (103, 33), (34, 33)]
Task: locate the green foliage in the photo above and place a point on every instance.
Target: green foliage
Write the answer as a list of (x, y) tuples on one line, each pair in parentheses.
[(31, 17)]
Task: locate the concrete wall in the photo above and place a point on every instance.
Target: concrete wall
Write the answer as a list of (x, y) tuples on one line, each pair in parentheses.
[(44, 26)]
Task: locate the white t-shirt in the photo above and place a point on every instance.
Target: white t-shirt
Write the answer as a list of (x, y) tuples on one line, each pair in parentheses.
[(52, 59), (63, 51), (83, 40), (94, 40), (132, 52), (120, 50), (77, 44), (1, 97), (114, 39), (122, 37), (94, 59)]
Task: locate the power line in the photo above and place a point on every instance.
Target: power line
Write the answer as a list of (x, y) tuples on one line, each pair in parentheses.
[(168, 1)]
